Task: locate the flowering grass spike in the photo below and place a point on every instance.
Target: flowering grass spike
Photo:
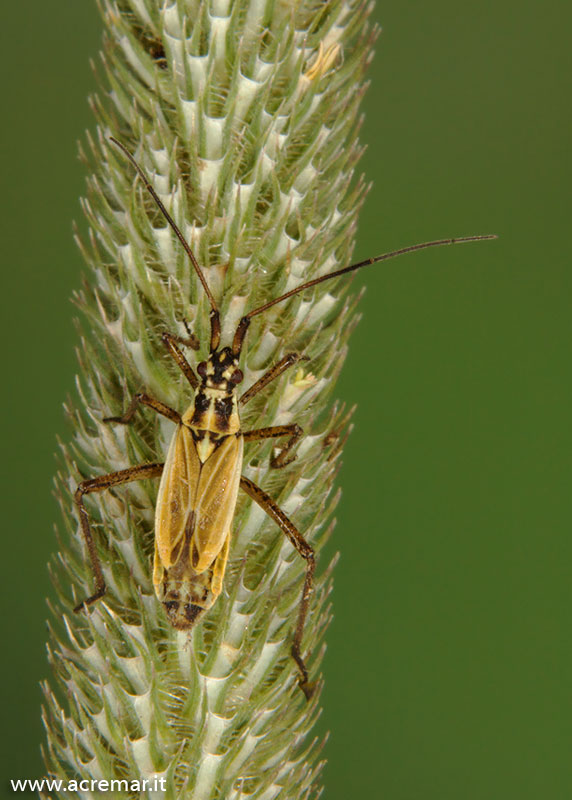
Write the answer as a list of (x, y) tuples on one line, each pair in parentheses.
[(244, 116)]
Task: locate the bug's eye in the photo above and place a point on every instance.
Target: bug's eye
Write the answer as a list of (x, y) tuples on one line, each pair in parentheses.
[(202, 369), (237, 376)]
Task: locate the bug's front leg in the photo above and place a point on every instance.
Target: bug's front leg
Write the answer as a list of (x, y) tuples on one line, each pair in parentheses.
[(143, 399), (270, 375), (171, 343), (99, 484), (285, 457), (190, 340), (307, 552)]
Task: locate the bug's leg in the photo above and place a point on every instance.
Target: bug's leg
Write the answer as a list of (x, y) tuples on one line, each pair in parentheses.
[(170, 342), (274, 372), (190, 340), (145, 400), (307, 552), (99, 484), (285, 457)]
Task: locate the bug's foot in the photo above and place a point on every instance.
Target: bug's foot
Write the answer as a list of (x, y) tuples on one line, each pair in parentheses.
[(277, 462), (190, 340), (126, 418), (285, 456), (89, 600), (308, 687)]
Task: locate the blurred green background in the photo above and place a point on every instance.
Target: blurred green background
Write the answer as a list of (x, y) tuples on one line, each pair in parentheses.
[(450, 662)]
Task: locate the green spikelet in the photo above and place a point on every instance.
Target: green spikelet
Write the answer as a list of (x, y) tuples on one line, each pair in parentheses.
[(244, 115)]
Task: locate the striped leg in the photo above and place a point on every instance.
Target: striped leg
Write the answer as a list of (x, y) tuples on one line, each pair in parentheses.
[(99, 484), (307, 552), (285, 457)]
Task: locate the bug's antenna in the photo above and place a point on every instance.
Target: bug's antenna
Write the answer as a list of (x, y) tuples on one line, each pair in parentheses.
[(245, 321), (214, 315)]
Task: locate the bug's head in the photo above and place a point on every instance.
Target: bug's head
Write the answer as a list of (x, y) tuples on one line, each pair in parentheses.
[(220, 371)]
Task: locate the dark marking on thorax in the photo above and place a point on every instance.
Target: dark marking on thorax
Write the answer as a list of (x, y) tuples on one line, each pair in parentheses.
[(202, 403), (213, 410), (223, 411)]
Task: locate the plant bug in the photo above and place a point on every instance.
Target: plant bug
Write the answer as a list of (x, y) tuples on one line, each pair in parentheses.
[(201, 476)]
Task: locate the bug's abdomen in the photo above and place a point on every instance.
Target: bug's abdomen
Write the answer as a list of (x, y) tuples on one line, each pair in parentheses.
[(185, 593)]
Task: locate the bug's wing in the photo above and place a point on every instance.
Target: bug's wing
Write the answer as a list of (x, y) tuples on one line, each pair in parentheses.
[(216, 500), (219, 568), (176, 498)]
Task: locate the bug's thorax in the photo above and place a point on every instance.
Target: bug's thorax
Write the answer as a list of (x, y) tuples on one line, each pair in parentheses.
[(215, 407)]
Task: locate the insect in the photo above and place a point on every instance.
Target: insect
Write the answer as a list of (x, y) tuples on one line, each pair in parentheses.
[(201, 476)]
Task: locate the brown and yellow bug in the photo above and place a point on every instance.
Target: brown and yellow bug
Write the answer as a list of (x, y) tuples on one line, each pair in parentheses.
[(201, 476)]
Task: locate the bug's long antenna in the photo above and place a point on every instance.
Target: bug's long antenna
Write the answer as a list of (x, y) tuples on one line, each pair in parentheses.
[(215, 320), (245, 321)]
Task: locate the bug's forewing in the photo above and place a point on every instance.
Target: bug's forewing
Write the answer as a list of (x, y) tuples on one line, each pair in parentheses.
[(219, 568), (217, 491), (177, 496)]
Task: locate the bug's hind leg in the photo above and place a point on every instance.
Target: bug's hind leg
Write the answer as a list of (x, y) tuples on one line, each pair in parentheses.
[(307, 552), (99, 484), (285, 456)]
